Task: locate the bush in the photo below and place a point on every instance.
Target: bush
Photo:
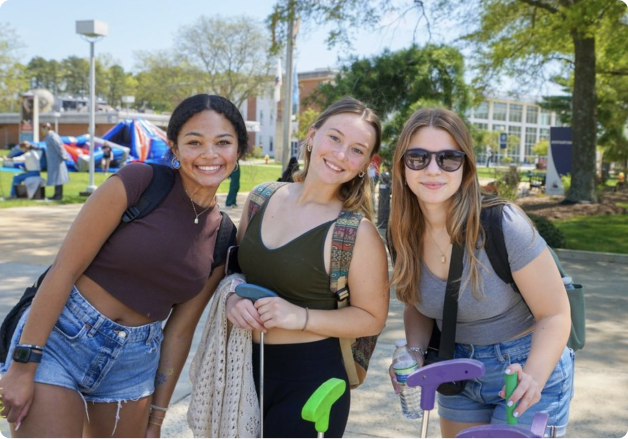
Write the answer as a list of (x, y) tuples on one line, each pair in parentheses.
[(566, 180), (508, 183), (550, 233), (256, 153)]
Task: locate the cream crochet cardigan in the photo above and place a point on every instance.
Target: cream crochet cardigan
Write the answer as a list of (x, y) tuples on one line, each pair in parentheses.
[(224, 401)]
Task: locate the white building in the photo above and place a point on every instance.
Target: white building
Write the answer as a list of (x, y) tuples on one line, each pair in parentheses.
[(524, 119)]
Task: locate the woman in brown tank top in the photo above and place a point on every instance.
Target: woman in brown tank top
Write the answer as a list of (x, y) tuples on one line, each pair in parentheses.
[(301, 332), (90, 339)]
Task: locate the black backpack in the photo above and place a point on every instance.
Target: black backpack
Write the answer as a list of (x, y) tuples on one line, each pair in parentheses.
[(157, 190)]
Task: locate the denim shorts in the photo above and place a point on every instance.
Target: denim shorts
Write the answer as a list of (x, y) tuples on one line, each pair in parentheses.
[(104, 361), (480, 402)]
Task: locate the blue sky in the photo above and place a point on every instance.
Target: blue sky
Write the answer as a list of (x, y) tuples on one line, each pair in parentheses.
[(48, 28)]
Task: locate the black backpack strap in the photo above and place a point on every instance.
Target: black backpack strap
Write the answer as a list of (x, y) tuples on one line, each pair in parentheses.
[(158, 188), (495, 245), (226, 238), (450, 308)]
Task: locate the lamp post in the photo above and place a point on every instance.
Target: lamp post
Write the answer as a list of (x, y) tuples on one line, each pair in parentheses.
[(91, 31), (56, 115)]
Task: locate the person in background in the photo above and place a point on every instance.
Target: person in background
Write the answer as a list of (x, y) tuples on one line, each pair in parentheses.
[(32, 165), (291, 169), (234, 187), (106, 157), (286, 247), (92, 341), (436, 201), (56, 157)]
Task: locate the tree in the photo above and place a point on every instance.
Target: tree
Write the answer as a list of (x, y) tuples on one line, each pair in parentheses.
[(232, 55), (163, 81), (523, 37), (306, 120), (541, 148), (75, 76), (45, 74), (12, 78), (395, 84)]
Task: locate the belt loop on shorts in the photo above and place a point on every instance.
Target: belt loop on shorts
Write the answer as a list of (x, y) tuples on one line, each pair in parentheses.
[(152, 333), (96, 326), (498, 354)]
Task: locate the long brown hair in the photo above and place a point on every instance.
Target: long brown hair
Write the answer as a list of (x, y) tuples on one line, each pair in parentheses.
[(356, 193), (407, 223)]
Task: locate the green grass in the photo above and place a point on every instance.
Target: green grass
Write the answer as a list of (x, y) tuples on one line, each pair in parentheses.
[(251, 176), (598, 233)]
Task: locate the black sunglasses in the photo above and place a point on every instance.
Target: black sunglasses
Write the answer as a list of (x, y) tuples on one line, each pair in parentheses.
[(448, 160)]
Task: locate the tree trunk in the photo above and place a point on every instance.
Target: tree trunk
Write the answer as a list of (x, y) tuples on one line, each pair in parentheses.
[(584, 122)]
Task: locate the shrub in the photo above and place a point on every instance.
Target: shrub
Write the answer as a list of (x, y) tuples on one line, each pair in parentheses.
[(566, 180), (550, 233), (508, 183)]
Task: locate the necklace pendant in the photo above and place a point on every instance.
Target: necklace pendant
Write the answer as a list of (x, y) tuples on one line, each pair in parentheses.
[(196, 222), (443, 259)]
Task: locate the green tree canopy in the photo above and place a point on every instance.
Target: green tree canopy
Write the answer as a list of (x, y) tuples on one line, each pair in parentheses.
[(12, 78)]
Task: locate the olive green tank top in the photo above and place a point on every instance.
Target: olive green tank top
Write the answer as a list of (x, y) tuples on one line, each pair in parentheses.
[(295, 271)]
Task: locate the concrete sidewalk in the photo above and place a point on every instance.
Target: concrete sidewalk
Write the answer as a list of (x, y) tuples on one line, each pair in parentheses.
[(30, 238)]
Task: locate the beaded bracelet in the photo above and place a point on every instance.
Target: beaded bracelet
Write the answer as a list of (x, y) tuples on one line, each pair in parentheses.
[(155, 407)]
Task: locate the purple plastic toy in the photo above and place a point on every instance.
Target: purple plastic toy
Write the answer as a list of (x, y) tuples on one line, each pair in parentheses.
[(430, 377)]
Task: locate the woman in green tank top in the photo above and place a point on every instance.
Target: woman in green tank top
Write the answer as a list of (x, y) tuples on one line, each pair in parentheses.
[(287, 246)]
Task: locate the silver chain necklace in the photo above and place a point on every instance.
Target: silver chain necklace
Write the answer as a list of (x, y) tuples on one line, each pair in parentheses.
[(194, 208)]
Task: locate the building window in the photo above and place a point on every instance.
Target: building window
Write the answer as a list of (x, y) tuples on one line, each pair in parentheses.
[(546, 118), (530, 140), (481, 111), (516, 113), (294, 149), (261, 117), (513, 144), (544, 133), (497, 127), (532, 115), (270, 147), (481, 126), (499, 110)]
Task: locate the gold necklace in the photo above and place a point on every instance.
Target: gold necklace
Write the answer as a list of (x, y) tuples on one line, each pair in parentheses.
[(194, 208), (443, 258)]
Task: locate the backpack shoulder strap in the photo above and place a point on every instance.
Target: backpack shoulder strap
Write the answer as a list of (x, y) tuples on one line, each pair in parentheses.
[(225, 239), (342, 245), (156, 191), (494, 243), (260, 194)]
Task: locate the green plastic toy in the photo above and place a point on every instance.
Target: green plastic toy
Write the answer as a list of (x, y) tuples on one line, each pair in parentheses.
[(511, 385), (318, 406)]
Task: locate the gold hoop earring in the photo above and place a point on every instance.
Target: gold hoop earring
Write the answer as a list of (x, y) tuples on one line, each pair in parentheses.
[(361, 174), (309, 147), (237, 166)]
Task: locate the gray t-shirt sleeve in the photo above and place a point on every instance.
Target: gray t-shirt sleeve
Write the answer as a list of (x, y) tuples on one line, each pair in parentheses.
[(523, 241)]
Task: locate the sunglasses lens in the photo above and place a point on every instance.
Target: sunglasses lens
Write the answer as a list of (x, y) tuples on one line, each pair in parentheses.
[(450, 160), (416, 160)]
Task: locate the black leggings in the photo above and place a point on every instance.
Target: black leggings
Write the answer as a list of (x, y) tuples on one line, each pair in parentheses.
[(292, 373)]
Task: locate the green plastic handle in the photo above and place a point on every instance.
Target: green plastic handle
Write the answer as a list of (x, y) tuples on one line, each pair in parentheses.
[(318, 406), (511, 385)]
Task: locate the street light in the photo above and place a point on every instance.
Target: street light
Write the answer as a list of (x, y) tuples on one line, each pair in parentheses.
[(91, 31)]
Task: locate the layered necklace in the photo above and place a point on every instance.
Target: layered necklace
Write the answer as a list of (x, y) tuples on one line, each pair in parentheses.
[(197, 214), (443, 258)]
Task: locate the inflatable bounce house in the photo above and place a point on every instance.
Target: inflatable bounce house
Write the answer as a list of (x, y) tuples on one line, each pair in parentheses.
[(131, 140)]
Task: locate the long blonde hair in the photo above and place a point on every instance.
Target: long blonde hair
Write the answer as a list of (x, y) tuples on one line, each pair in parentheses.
[(356, 193), (407, 223)]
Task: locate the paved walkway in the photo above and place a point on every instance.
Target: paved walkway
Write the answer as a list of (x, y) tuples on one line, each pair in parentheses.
[(30, 237)]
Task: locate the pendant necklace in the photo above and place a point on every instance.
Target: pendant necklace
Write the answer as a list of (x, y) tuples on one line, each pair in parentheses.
[(194, 208), (443, 258)]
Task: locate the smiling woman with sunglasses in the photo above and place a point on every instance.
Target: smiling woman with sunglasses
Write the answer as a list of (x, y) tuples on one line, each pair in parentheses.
[(436, 202)]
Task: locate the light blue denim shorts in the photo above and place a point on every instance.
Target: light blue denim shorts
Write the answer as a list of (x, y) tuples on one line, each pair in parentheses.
[(480, 402), (104, 361)]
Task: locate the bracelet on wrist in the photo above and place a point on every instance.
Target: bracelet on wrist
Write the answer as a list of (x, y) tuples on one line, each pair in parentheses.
[(307, 318), (156, 407), (419, 350)]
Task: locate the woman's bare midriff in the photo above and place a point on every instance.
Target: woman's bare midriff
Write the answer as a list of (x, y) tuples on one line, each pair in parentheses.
[(108, 305), (521, 334), (286, 336)]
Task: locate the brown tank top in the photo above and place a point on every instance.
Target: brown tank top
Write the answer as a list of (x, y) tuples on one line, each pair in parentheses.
[(295, 271), (162, 259)]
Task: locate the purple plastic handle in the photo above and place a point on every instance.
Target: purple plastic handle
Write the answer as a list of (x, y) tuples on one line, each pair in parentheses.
[(432, 376), (539, 424)]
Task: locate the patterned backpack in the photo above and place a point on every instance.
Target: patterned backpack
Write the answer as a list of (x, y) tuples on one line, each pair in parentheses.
[(356, 353)]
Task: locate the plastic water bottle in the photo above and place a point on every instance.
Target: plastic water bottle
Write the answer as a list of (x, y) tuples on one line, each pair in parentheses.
[(404, 364), (568, 282)]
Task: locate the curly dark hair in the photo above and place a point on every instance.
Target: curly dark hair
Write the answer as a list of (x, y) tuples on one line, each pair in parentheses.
[(201, 102)]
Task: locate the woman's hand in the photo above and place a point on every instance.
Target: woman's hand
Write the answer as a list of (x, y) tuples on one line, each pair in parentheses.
[(527, 393), (17, 388), (275, 312), (243, 314), (420, 361)]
